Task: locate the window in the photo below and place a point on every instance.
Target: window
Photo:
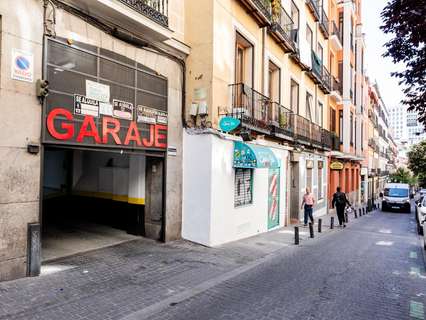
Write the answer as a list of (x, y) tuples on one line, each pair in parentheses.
[(341, 126), (320, 116), (352, 128), (309, 36), (340, 71), (331, 64), (308, 110), (274, 79), (321, 53), (294, 97), (243, 193), (320, 173), (362, 136), (355, 132), (243, 61), (341, 26), (332, 120), (295, 16)]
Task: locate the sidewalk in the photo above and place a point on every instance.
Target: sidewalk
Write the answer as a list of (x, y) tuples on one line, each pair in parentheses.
[(141, 276)]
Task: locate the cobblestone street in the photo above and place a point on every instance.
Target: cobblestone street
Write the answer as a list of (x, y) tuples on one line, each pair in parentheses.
[(373, 269)]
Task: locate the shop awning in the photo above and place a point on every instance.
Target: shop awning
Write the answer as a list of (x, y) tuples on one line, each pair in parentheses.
[(254, 156)]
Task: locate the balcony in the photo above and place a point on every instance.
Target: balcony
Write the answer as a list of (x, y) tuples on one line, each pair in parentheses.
[(324, 24), (325, 84), (282, 121), (155, 10), (315, 73), (302, 129), (316, 134), (252, 108), (326, 139), (335, 141), (281, 29), (260, 9), (336, 90), (314, 7), (146, 18), (336, 39)]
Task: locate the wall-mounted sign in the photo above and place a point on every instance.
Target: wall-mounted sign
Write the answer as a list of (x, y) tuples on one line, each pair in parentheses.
[(122, 109), (228, 124), (364, 171), (97, 91), (336, 165), (22, 65), (171, 151), (254, 156), (150, 115), (86, 106), (65, 128), (309, 164)]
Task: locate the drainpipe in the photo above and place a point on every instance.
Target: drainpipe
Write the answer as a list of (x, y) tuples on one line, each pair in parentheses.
[(263, 60)]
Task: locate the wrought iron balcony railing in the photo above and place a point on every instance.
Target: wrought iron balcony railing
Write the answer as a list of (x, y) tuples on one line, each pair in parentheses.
[(282, 24), (316, 134), (316, 65), (302, 128), (251, 107), (282, 120), (336, 85), (314, 6), (336, 32), (265, 7), (335, 142), (326, 139), (324, 24), (326, 79), (156, 10)]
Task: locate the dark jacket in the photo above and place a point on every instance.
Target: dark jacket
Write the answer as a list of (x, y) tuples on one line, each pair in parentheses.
[(342, 196)]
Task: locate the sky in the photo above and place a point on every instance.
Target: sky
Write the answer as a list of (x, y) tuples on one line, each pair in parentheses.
[(378, 67)]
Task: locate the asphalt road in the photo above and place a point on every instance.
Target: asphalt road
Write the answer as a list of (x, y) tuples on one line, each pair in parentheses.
[(373, 269)]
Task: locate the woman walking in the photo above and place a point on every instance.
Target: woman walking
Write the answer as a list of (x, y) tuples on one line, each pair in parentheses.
[(307, 205)]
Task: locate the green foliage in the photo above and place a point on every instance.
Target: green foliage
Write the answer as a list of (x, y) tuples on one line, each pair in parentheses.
[(403, 175), (417, 161), (405, 21)]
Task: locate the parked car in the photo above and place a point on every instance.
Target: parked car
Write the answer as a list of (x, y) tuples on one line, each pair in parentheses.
[(397, 196), (420, 214), (422, 192)]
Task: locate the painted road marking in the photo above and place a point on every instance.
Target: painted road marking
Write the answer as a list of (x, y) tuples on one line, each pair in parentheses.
[(413, 255), (387, 231), (417, 310), (384, 243)]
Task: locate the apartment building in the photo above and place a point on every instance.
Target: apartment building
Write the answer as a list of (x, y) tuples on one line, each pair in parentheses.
[(271, 69), (91, 93)]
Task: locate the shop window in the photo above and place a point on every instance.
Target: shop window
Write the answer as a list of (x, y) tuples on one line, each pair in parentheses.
[(320, 175), (243, 188)]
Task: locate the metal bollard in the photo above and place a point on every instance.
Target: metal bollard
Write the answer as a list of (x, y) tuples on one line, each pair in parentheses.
[(311, 229), (331, 222), (356, 215), (346, 217), (360, 212), (296, 235), (319, 225), (364, 210)]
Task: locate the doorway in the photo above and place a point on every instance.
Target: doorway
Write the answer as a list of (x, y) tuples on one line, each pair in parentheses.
[(94, 199)]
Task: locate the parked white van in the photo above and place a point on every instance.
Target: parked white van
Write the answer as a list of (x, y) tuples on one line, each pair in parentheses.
[(396, 196)]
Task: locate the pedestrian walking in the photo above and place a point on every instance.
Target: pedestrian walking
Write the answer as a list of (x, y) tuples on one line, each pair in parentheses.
[(307, 205), (340, 201)]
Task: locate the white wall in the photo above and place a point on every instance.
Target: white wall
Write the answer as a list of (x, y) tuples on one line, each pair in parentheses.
[(209, 214)]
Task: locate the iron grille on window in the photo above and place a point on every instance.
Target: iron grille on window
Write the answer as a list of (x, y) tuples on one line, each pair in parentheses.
[(243, 193)]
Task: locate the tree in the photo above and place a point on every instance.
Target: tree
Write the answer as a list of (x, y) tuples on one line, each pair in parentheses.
[(417, 161), (403, 175), (405, 20)]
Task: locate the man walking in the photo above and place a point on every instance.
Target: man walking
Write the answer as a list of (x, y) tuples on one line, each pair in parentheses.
[(307, 204), (340, 201)]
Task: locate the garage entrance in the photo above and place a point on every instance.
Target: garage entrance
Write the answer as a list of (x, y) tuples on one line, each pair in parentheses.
[(93, 199)]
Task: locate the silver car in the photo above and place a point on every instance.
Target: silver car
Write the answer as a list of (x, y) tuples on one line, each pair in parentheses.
[(421, 218)]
